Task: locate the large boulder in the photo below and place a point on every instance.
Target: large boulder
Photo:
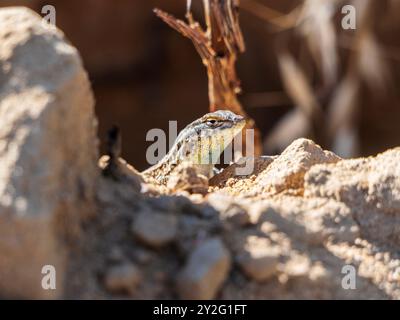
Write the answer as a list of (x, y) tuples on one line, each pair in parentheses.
[(48, 151)]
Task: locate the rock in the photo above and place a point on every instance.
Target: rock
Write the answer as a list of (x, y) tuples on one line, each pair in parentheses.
[(229, 210), (236, 215), (320, 275), (369, 187), (298, 266), (205, 271), (48, 152), (273, 175), (288, 170), (123, 278), (186, 178), (268, 227), (155, 229), (258, 260), (121, 171)]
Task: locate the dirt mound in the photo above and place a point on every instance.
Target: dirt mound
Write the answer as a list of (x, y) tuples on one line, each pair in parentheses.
[(239, 241)]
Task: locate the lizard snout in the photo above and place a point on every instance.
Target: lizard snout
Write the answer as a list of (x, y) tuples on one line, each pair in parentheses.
[(239, 118)]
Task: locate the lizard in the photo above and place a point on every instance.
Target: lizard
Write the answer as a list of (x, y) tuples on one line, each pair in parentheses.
[(199, 145)]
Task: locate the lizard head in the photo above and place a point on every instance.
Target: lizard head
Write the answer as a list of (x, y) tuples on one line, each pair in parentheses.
[(220, 124), (214, 131), (221, 120)]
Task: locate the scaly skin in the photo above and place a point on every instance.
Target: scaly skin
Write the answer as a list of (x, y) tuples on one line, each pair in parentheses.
[(200, 144)]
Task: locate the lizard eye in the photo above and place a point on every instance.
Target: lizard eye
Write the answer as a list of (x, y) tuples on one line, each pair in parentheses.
[(211, 122)]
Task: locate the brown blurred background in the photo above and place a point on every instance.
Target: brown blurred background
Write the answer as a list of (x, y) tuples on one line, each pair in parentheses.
[(144, 73)]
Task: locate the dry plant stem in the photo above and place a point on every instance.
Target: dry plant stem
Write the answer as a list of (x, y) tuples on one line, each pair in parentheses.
[(218, 47)]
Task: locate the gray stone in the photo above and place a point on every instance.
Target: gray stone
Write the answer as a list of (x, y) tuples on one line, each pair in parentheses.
[(205, 271), (48, 151), (258, 262), (123, 278), (155, 229)]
